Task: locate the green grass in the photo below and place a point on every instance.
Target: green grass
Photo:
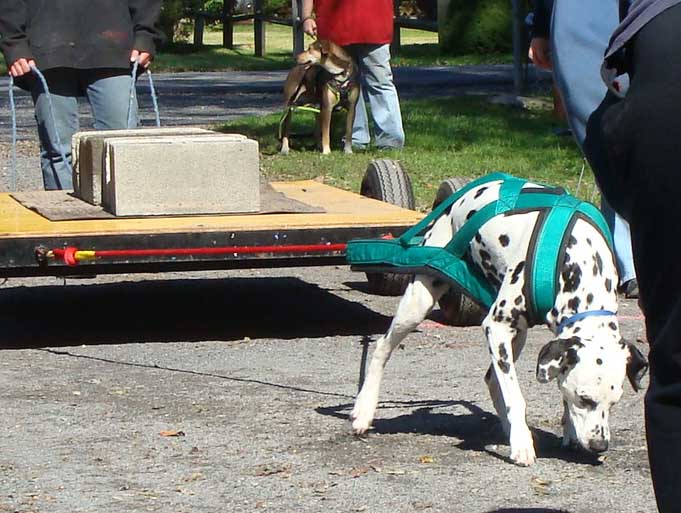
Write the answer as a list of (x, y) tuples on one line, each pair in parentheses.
[(419, 48), (458, 136)]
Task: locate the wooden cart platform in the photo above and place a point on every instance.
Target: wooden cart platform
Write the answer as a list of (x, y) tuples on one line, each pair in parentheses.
[(31, 245)]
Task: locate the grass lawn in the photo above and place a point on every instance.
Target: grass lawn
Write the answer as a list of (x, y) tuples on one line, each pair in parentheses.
[(419, 48), (457, 136)]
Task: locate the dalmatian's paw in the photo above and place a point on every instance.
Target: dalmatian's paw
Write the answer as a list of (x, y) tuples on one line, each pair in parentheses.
[(522, 449), (361, 416), (523, 457)]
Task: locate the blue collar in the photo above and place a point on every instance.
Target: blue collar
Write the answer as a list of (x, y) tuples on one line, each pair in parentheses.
[(581, 315)]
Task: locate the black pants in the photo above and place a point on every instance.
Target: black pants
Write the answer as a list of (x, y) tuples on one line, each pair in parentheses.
[(643, 137)]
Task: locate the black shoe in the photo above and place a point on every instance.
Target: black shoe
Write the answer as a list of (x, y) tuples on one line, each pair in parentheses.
[(630, 289)]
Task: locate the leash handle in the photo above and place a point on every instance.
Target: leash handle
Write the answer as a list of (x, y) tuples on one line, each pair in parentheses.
[(133, 94), (154, 99), (43, 81), (46, 89)]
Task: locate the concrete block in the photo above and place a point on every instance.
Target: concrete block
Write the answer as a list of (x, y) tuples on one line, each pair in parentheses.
[(191, 174), (87, 153)]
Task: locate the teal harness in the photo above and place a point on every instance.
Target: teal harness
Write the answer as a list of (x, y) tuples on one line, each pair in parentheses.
[(558, 211)]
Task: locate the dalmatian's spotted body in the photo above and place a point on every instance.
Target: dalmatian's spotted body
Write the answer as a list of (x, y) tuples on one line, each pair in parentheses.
[(589, 358)]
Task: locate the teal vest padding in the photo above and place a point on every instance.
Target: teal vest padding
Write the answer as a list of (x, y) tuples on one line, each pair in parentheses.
[(558, 212)]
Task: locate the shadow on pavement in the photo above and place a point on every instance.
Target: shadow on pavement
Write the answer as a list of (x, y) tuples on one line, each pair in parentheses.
[(178, 310), (528, 510), (478, 429)]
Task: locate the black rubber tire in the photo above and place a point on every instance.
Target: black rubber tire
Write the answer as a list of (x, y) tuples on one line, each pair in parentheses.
[(457, 309), (449, 187), (386, 180)]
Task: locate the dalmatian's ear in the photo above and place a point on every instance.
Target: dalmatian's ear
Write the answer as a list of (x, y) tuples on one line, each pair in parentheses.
[(554, 356), (637, 365)]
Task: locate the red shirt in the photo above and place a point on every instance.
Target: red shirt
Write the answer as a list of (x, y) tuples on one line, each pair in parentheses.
[(347, 22)]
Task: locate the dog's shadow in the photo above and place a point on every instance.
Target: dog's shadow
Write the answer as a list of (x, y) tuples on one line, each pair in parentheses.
[(477, 429), (528, 510)]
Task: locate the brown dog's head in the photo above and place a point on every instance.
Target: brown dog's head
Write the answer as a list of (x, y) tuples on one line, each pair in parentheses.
[(328, 55)]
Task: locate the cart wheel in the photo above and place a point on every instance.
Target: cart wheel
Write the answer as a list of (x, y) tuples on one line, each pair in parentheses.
[(457, 308), (386, 180), (449, 187)]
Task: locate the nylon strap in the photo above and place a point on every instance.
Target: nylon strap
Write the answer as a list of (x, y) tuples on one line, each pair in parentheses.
[(508, 196), (407, 237), (542, 272)]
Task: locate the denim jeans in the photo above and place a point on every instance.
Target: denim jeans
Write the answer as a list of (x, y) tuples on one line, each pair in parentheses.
[(376, 80), (622, 240), (580, 32), (107, 91)]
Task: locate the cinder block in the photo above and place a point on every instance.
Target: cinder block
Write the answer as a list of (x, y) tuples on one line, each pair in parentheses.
[(191, 174), (87, 153)]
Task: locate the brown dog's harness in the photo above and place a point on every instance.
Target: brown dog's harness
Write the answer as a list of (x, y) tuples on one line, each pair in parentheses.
[(341, 89)]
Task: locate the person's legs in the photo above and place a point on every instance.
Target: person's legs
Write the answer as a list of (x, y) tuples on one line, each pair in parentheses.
[(376, 79), (108, 91), (622, 241), (360, 128), (642, 134), (579, 36), (580, 31), (63, 89)]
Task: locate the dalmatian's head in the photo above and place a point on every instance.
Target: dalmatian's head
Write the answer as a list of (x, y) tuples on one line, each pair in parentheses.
[(590, 375)]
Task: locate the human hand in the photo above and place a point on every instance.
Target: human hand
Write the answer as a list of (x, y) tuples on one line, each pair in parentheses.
[(21, 67), (540, 53), (144, 58), (310, 27)]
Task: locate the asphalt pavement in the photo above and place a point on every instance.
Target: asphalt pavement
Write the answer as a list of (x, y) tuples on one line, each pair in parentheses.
[(229, 391)]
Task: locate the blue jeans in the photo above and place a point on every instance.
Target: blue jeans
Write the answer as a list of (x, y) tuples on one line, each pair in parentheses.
[(376, 80), (622, 241), (107, 91), (580, 31)]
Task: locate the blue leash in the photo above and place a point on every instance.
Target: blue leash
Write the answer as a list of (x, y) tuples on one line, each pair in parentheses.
[(41, 77)]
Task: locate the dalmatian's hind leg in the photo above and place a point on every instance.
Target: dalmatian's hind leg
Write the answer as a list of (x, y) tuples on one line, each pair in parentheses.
[(418, 300)]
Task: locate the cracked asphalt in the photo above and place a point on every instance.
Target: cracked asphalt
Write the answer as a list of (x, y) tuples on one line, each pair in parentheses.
[(230, 391)]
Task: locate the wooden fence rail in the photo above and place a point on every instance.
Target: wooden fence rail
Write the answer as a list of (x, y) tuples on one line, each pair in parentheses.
[(229, 18), (260, 20)]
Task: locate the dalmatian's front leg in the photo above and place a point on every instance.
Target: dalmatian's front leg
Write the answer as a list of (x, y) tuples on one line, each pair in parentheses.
[(493, 384), (500, 335), (570, 439), (418, 300)]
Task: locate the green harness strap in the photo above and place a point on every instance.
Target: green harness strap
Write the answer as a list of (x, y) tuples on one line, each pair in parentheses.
[(557, 212), (293, 108)]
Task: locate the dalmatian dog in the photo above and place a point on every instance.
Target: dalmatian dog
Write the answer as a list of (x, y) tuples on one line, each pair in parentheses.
[(589, 359)]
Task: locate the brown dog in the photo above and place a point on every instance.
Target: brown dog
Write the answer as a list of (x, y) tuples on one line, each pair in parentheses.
[(326, 76)]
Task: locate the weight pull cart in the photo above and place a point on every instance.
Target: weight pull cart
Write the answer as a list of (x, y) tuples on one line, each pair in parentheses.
[(31, 245)]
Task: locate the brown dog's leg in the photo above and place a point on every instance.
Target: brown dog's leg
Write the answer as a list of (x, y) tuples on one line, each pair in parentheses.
[(350, 119), (285, 130), (328, 101)]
